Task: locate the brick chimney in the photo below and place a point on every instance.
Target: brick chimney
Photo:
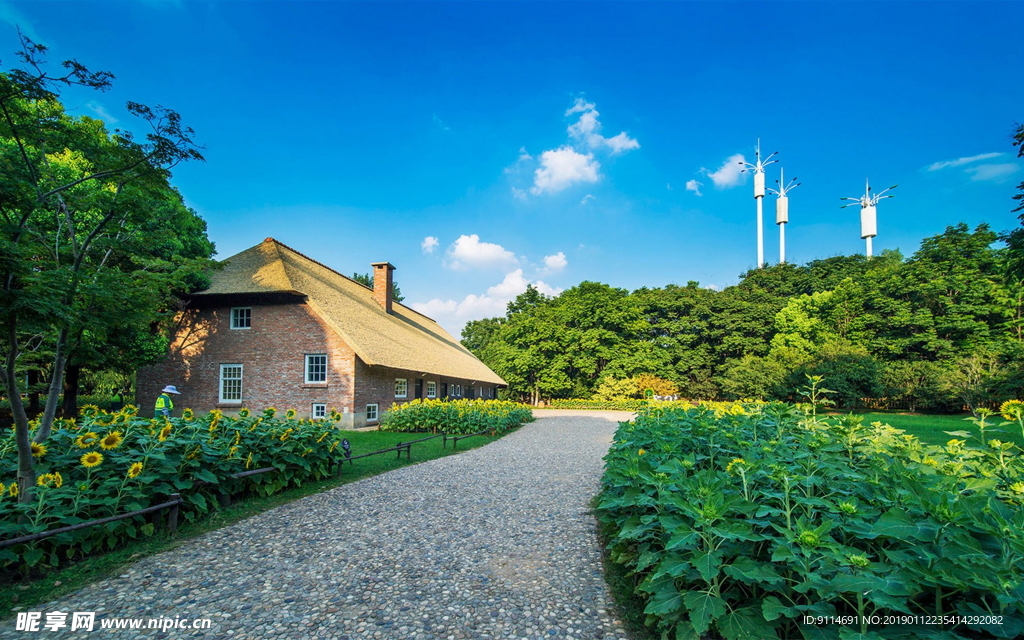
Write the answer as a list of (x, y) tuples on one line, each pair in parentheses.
[(383, 285)]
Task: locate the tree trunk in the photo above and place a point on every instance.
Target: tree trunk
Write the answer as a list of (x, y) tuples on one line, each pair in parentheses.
[(69, 408), (33, 392), (8, 375), (60, 360)]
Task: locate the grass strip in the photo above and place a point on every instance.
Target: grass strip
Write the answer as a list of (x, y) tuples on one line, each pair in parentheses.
[(31, 591)]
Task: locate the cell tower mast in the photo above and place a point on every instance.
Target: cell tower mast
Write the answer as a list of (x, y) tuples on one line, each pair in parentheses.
[(782, 210), (869, 212), (758, 168)]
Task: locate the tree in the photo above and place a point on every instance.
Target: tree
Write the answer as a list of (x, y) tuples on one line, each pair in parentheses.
[(1015, 238), (76, 202), (366, 279)]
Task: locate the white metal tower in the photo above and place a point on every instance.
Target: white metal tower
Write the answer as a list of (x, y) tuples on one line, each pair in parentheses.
[(758, 168), (869, 212), (782, 209)]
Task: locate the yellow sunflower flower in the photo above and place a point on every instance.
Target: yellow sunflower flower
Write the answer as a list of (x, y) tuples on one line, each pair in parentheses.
[(165, 432), (135, 470), (91, 459), (13, 490), (1012, 409), (111, 440), (243, 413), (2, 489), (38, 450), (87, 440), (737, 464), (289, 414), (187, 414), (54, 480)]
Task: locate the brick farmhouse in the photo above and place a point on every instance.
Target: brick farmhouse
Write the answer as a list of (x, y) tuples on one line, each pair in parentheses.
[(278, 329)]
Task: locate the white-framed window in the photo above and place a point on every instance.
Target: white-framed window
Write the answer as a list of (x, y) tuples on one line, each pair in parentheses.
[(431, 389), (241, 317), (230, 383), (316, 368), (401, 387), (319, 411), (371, 413), (458, 391)]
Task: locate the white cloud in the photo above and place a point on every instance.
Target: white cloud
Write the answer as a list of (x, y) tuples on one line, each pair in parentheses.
[(469, 252), (453, 314), (17, 19), (694, 186), (935, 166), (563, 167), (579, 106), (440, 124), (101, 112), (585, 130), (621, 143), (573, 162), (993, 172), (555, 262), (429, 244), (587, 198), (523, 158), (729, 174)]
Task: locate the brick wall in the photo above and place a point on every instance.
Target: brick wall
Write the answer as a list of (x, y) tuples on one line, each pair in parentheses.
[(272, 353)]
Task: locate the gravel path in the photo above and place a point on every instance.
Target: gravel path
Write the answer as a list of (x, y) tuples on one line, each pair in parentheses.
[(496, 542)]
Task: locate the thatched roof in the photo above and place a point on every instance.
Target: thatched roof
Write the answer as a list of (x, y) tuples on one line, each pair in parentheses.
[(403, 339)]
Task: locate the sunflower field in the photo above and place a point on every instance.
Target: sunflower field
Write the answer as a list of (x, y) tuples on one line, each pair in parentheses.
[(775, 523), (455, 417), (106, 464)]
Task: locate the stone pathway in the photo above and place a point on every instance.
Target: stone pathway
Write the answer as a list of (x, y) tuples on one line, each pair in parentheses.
[(496, 542)]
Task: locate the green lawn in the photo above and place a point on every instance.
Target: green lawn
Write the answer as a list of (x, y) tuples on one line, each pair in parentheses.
[(931, 428), (27, 593)]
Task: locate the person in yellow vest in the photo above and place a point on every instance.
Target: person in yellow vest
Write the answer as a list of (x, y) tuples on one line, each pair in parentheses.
[(164, 404)]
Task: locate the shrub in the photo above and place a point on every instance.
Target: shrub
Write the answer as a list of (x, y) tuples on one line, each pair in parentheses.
[(739, 525), (455, 417)]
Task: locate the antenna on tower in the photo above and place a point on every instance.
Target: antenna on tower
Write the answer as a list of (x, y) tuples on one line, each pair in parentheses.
[(758, 168), (782, 209), (869, 212)]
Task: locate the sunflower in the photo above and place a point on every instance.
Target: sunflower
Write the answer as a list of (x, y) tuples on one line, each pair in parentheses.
[(87, 440), (13, 490), (111, 440), (91, 459), (54, 480), (243, 413), (289, 414), (38, 450), (2, 489), (187, 414), (88, 410), (1012, 409), (269, 412), (165, 432), (135, 470)]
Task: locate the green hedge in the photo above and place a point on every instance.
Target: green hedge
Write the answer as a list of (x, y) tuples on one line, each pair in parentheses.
[(455, 416), (737, 526)]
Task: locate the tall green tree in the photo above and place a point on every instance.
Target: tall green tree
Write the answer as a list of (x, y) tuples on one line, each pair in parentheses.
[(87, 229)]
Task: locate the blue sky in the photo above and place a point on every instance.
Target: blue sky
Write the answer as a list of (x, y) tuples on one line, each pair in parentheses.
[(483, 146)]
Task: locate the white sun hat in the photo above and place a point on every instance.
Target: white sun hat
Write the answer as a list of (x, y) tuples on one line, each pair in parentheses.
[(171, 389)]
